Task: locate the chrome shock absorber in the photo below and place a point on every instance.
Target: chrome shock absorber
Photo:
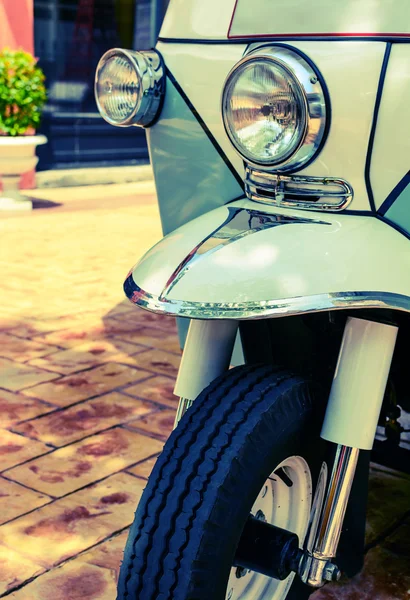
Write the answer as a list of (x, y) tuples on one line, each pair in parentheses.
[(350, 422)]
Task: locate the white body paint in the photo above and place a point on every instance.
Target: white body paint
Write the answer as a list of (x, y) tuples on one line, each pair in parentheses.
[(359, 383), (391, 151), (286, 269), (207, 354), (198, 19), (201, 71), (218, 19), (320, 18)]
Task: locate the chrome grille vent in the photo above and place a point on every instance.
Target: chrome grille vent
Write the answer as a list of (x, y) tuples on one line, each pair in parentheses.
[(298, 191)]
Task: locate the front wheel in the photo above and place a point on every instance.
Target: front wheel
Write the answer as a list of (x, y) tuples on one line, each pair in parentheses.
[(249, 444)]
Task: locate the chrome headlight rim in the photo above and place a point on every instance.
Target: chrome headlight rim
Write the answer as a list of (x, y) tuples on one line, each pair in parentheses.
[(299, 93), (149, 68), (305, 74)]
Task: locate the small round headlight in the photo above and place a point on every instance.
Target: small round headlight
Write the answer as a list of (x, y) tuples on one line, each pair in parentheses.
[(274, 108), (129, 87)]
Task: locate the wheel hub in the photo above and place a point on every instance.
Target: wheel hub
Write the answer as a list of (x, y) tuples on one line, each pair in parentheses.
[(266, 549), (284, 501)]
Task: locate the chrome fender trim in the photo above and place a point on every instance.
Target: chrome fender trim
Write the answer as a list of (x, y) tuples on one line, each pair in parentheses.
[(265, 309), (243, 261)]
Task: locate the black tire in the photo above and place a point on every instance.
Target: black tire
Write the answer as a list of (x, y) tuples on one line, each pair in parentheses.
[(187, 526)]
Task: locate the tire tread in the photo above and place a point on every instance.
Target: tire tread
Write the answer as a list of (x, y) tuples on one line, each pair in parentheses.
[(173, 498)]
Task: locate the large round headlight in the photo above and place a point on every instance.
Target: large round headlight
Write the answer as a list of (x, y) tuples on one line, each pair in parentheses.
[(275, 108), (129, 87)]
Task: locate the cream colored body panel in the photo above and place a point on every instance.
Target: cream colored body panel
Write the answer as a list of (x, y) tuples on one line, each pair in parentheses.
[(391, 150), (198, 19), (201, 71), (288, 267), (209, 347), (320, 17), (359, 383), (358, 66), (216, 19)]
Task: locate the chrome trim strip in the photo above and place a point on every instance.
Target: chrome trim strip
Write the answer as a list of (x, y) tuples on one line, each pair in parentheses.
[(330, 193), (264, 308), (239, 223)]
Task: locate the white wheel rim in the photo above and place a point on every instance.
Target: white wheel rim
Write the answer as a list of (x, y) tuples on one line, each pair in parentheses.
[(286, 506)]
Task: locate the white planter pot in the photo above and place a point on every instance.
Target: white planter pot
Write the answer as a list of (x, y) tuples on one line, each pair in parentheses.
[(17, 156)]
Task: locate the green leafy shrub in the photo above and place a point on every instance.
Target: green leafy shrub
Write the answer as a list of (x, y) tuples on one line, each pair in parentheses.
[(22, 92)]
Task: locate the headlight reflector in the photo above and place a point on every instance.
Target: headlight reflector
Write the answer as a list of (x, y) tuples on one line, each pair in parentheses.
[(264, 111), (129, 87), (274, 108)]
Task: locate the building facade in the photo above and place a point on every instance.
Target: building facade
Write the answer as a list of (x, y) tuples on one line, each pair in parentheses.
[(69, 38)]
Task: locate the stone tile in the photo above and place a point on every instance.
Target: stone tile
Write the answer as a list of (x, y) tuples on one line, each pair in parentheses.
[(38, 327), (69, 338), (30, 329), (71, 525), (156, 389), (145, 318), (15, 500), (71, 424), (73, 581), (96, 381), (385, 576), (16, 407), (22, 350), (15, 449), (119, 324), (109, 554), (159, 423), (67, 240), (15, 569), (133, 336), (88, 355), (144, 468), (171, 344), (7, 323), (15, 377), (81, 578), (84, 462), (395, 492), (124, 307), (164, 363), (399, 541), (154, 337), (89, 330)]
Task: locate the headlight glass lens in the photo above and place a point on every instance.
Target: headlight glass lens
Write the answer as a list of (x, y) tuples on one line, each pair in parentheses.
[(264, 111), (117, 88)]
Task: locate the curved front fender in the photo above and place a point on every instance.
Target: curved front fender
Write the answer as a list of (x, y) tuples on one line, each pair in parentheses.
[(247, 260)]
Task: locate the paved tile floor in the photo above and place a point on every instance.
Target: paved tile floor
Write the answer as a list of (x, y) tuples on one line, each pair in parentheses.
[(86, 403)]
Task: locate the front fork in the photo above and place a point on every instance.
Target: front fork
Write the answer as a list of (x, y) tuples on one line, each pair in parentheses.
[(207, 354), (350, 421)]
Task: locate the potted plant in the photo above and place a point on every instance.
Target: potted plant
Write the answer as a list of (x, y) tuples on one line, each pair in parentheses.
[(22, 97)]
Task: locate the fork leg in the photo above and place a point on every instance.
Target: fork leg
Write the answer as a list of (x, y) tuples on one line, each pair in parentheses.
[(207, 354), (350, 422)]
